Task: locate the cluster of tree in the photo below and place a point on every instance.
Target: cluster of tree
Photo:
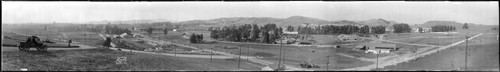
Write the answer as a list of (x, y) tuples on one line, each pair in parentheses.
[(107, 42), (289, 28), (442, 28), (115, 30), (196, 38), (401, 28), (465, 26), (332, 29), (150, 30), (420, 30), (165, 31), (247, 32), (378, 30)]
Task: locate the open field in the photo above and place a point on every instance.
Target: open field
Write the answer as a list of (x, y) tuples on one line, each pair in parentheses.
[(104, 59), (293, 54), (333, 40)]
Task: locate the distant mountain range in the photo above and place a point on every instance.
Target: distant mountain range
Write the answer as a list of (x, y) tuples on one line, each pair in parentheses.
[(130, 21), (293, 21)]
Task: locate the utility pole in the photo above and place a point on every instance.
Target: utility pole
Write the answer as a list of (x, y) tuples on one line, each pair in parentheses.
[(248, 52), (211, 54), (175, 51), (377, 61), (279, 62), (327, 62), (239, 59), (466, 42)]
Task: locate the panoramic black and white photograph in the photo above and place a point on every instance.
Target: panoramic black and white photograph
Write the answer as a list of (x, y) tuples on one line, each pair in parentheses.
[(250, 36)]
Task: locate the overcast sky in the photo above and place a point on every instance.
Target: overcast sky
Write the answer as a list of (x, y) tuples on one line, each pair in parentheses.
[(405, 12)]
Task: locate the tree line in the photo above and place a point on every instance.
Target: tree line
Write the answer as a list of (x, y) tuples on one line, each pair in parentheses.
[(108, 29), (442, 28), (247, 32), (345, 29)]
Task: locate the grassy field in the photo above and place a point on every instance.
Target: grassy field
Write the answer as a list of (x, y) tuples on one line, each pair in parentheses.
[(104, 59), (333, 40), (293, 54)]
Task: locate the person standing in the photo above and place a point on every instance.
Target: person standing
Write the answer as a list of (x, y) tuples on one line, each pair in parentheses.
[(69, 42)]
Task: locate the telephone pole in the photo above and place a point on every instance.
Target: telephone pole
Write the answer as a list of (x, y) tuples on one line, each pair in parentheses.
[(279, 62), (466, 42), (377, 61), (248, 52), (239, 59), (175, 51), (327, 62), (211, 54)]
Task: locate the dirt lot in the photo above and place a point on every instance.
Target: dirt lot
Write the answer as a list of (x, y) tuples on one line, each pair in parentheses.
[(103, 59)]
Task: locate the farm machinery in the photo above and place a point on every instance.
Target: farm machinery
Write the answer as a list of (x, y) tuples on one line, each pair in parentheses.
[(32, 42)]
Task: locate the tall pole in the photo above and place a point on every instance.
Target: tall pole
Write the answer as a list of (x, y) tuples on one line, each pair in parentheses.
[(466, 41), (327, 62), (175, 51), (211, 54), (279, 62), (248, 52), (239, 59), (85, 38), (377, 60)]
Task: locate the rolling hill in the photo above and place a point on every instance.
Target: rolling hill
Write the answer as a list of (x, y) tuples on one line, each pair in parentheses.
[(294, 21), (377, 22)]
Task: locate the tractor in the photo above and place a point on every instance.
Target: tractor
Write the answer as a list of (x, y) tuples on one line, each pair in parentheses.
[(32, 42)]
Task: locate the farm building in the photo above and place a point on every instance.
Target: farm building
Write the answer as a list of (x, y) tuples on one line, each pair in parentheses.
[(344, 37), (423, 30), (377, 47)]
